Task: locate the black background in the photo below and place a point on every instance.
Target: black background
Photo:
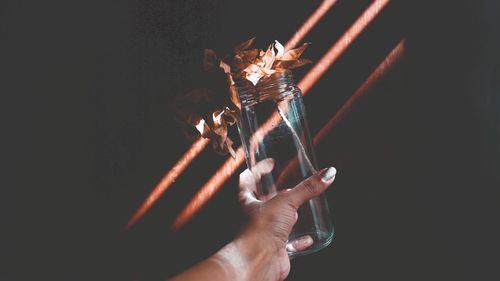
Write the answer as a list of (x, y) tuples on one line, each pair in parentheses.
[(88, 131)]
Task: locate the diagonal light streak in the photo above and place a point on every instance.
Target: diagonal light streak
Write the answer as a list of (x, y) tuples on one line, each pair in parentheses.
[(390, 60), (200, 144), (168, 179), (231, 165), (309, 23), (341, 45)]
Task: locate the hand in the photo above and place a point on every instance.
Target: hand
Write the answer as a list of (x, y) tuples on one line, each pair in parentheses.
[(258, 253), (263, 240)]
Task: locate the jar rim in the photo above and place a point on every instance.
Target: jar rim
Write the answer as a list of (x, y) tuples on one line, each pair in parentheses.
[(277, 86)]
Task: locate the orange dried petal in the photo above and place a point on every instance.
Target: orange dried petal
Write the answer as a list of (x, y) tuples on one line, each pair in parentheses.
[(294, 54), (245, 45)]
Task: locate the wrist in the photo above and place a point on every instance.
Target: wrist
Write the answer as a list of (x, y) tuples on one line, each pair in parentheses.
[(244, 256)]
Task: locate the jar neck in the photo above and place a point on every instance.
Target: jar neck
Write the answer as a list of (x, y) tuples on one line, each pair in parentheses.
[(276, 86)]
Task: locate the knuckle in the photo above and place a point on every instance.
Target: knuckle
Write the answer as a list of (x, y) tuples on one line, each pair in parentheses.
[(310, 187)]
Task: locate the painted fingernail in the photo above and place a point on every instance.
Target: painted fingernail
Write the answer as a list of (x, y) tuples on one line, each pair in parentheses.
[(299, 244), (328, 174)]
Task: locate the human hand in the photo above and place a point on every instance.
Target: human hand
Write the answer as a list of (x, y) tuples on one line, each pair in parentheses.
[(264, 240), (259, 253)]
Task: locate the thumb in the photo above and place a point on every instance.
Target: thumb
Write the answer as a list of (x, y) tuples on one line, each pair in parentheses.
[(310, 187)]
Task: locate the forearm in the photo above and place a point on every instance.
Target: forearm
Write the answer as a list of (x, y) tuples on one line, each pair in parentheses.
[(210, 269), (237, 261)]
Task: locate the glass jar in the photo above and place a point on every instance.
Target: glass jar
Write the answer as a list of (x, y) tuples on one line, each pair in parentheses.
[(273, 125)]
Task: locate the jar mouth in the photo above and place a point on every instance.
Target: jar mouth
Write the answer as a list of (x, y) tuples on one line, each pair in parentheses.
[(276, 86)]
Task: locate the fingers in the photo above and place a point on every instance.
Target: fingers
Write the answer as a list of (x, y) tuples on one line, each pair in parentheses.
[(262, 167), (249, 178), (310, 187)]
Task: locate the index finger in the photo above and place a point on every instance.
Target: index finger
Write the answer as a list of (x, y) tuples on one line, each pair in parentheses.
[(250, 177)]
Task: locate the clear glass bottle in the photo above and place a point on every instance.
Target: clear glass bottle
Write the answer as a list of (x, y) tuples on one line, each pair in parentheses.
[(273, 125)]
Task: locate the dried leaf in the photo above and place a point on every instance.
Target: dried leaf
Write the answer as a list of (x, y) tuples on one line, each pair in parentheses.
[(225, 67), (245, 45), (253, 73), (280, 50), (209, 111), (254, 77), (210, 60), (242, 59), (294, 53), (268, 58), (246, 56), (229, 146), (231, 116), (291, 64), (235, 98)]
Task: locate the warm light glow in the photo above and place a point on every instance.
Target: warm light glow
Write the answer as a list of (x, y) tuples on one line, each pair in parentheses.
[(380, 71), (341, 45), (168, 179), (231, 165), (309, 23), (209, 188), (197, 148)]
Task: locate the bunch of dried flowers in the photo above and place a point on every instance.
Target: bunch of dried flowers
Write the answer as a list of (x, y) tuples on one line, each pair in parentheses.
[(208, 111)]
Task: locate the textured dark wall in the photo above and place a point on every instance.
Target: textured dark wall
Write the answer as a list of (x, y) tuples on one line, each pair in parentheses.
[(90, 132)]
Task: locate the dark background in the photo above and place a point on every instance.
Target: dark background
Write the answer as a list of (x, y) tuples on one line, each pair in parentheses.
[(86, 93)]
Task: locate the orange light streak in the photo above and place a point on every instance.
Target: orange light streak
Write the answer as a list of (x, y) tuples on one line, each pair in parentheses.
[(209, 189), (341, 45), (199, 145), (168, 179), (309, 23), (231, 165), (389, 61)]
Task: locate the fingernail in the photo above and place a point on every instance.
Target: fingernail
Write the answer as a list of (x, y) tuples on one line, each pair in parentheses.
[(299, 244), (305, 241), (328, 174)]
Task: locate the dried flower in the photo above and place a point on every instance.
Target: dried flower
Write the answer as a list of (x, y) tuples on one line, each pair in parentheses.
[(208, 111), (270, 61)]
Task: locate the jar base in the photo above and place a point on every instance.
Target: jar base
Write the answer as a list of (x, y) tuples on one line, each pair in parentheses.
[(321, 239)]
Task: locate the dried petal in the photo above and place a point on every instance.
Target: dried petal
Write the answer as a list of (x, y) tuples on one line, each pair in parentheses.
[(291, 64), (229, 146), (254, 77), (217, 117), (280, 50), (267, 71), (253, 73), (245, 45), (235, 98), (200, 126), (242, 59), (269, 57), (294, 53), (225, 67), (249, 55), (231, 116)]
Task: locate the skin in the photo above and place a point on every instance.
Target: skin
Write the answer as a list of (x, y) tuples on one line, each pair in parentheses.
[(258, 252)]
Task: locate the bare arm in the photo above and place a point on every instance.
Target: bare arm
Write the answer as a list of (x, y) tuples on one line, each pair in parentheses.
[(259, 253)]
